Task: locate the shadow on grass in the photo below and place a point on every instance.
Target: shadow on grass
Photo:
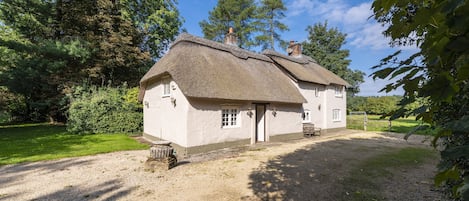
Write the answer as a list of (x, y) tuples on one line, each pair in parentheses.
[(316, 172), (109, 190)]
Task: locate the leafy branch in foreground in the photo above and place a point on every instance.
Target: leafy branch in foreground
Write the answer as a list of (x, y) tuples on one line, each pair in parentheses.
[(439, 73)]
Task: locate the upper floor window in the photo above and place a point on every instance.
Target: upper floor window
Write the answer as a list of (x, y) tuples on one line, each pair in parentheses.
[(316, 91), (306, 116), (166, 87), (230, 117), (336, 115), (338, 91)]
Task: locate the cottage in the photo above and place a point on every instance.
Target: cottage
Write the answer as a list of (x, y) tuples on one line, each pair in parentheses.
[(204, 95)]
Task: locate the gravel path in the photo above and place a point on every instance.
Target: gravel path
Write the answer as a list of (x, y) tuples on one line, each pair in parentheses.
[(307, 169)]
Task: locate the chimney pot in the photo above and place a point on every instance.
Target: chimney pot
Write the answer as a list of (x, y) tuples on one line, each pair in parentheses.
[(230, 37), (294, 49)]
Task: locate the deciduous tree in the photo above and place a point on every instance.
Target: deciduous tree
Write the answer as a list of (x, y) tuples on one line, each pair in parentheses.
[(324, 45), (439, 72)]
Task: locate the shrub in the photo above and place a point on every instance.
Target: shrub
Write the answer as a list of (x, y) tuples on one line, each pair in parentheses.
[(104, 110)]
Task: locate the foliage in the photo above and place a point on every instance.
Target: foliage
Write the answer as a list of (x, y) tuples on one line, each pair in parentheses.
[(104, 110), (438, 72), (35, 142), (157, 20), (47, 47), (239, 14), (12, 106), (324, 45), (374, 104), (269, 14)]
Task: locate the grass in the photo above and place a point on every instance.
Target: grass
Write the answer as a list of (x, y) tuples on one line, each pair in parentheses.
[(36, 142), (402, 125), (363, 180)]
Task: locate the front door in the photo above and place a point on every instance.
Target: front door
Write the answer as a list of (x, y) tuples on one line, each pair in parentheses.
[(260, 120)]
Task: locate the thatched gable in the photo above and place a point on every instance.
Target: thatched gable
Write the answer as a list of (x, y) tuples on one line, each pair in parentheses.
[(207, 69), (305, 69)]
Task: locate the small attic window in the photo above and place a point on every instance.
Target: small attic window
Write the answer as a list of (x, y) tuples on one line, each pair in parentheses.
[(338, 91), (166, 87)]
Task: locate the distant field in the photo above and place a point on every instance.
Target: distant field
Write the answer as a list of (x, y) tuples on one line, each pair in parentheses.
[(36, 142), (403, 125)]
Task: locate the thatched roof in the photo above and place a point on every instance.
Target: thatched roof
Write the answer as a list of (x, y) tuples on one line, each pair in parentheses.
[(208, 69), (305, 69)]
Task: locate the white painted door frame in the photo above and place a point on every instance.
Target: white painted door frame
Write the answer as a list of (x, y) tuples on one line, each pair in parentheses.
[(260, 122)]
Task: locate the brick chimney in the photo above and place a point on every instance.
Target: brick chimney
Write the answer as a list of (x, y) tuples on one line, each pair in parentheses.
[(230, 38), (294, 49)]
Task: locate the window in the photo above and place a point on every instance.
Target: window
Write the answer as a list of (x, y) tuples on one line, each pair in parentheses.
[(338, 91), (306, 116), (229, 117), (166, 87), (336, 115), (316, 92)]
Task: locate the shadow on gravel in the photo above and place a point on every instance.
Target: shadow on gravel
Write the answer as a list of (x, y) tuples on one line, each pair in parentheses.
[(316, 172), (110, 190), (11, 173)]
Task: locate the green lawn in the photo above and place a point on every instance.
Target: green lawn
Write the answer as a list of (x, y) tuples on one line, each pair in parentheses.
[(35, 142), (365, 181), (402, 125)]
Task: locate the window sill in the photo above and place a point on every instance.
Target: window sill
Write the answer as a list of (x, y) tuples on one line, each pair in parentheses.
[(336, 120), (228, 127), (306, 122), (165, 96)]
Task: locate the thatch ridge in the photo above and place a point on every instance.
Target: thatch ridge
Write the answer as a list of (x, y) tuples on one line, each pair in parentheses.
[(306, 69), (207, 69), (235, 50)]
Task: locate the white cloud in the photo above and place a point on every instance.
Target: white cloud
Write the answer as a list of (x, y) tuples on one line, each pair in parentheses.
[(362, 31), (371, 87)]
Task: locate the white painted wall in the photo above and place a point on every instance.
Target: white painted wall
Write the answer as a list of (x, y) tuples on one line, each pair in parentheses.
[(335, 102), (204, 122), (161, 118), (321, 106), (287, 120), (314, 103)]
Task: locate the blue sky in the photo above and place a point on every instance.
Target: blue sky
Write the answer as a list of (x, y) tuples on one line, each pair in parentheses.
[(364, 39)]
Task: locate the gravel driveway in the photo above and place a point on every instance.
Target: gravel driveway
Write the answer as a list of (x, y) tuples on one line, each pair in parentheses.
[(306, 169)]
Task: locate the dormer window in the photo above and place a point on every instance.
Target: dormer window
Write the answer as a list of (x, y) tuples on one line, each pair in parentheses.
[(338, 91), (166, 87)]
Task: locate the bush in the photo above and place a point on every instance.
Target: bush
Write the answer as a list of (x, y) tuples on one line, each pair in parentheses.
[(104, 110)]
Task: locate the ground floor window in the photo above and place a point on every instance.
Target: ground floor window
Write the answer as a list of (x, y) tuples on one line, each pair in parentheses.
[(229, 117), (336, 115), (306, 116)]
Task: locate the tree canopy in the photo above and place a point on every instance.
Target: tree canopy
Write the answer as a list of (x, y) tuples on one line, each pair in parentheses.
[(50, 46), (439, 72), (324, 45), (268, 23), (238, 14)]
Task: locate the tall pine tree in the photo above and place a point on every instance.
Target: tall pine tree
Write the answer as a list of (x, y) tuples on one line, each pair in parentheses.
[(231, 13), (268, 23), (324, 45)]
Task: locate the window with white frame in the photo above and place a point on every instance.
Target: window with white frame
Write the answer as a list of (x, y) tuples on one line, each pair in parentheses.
[(306, 116), (338, 91), (336, 115), (166, 87), (230, 117)]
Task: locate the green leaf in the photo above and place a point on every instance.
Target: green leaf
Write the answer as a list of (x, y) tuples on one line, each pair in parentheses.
[(450, 174)]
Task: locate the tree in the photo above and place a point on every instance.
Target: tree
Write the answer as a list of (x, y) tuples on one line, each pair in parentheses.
[(52, 46), (324, 45), (438, 73), (269, 14), (157, 20), (231, 13)]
